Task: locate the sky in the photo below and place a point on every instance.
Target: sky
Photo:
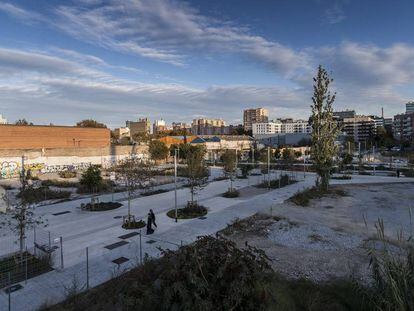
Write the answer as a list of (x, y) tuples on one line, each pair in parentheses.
[(64, 61)]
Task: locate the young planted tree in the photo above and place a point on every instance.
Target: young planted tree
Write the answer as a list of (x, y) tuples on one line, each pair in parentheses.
[(158, 150), (229, 165), (324, 128), (196, 171), (135, 174), (21, 217), (91, 179)]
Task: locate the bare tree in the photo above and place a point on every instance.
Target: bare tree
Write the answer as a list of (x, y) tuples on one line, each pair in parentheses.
[(324, 128), (135, 174)]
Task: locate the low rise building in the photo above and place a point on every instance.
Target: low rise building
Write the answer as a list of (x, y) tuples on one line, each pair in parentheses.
[(142, 126), (121, 132), (3, 120)]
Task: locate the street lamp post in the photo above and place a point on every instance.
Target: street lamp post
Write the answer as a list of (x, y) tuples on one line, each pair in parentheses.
[(175, 184), (268, 167)]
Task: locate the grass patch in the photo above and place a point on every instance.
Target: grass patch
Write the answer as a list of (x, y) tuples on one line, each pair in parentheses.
[(17, 266), (231, 194), (191, 211), (154, 192), (134, 225), (35, 195), (303, 198), (60, 184), (101, 206)]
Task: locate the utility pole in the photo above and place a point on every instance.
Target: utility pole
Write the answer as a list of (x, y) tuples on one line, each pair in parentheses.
[(175, 184), (268, 167), (304, 165), (236, 163)]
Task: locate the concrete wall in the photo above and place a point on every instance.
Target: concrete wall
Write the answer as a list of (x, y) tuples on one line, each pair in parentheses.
[(60, 159), (35, 136)]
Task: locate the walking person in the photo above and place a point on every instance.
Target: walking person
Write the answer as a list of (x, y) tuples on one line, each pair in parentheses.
[(153, 218), (149, 224)]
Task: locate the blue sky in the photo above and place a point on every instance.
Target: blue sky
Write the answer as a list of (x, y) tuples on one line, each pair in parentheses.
[(63, 61)]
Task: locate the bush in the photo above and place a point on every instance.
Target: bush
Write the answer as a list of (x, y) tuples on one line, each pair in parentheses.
[(274, 184), (134, 224), (303, 198), (148, 193), (104, 186), (35, 195), (91, 180), (60, 184), (231, 194), (101, 206), (67, 174), (213, 274), (188, 212), (343, 177)]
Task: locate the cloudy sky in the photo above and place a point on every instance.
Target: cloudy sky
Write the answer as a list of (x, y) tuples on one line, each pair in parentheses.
[(63, 61)]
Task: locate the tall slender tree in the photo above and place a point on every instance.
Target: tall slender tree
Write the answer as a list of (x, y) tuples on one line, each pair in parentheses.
[(324, 128)]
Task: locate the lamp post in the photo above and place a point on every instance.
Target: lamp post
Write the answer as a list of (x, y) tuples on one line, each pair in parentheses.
[(175, 184)]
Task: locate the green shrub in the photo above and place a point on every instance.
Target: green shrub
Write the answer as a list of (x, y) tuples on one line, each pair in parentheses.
[(34, 195), (91, 180), (60, 184), (303, 198), (67, 174), (231, 194)]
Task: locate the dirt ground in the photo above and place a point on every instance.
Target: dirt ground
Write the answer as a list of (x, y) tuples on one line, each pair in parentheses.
[(330, 238)]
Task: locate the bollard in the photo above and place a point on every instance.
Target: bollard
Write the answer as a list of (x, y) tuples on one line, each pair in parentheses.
[(140, 247), (87, 268)]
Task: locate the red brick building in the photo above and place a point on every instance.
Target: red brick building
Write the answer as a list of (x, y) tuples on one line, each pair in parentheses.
[(39, 136)]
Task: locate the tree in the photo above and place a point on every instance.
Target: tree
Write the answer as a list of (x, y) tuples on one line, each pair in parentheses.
[(141, 138), (135, 174), (324, 128), (91, 179), (229, 162), (22, 216), (23, 122), (158, 150), (196, 171), (90, 123)]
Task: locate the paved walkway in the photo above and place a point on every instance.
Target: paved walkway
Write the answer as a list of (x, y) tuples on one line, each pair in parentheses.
[(95, 230)]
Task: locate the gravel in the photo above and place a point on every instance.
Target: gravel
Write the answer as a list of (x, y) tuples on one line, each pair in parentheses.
[(312, 237)]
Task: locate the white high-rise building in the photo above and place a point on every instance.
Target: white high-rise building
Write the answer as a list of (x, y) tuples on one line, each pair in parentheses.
[(281, 126), (3, 120)]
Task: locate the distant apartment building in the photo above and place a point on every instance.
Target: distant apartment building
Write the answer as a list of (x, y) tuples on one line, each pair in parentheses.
[(340, 115), (142, 126), (208, 127), (360, 128), (409, 107), (281, 126), (121, 132), (159, 126), (255, 115), (176, 126), (3, 120), (403, 127)]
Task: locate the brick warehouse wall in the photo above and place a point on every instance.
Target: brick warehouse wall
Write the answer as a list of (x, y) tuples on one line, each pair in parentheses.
[(41, 161), (38, 136)]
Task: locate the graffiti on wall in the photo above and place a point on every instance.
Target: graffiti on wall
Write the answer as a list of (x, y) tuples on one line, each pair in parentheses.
[(9, 169), (12, 169)]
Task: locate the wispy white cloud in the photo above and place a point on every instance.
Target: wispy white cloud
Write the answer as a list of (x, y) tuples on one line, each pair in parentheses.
[(18, 12)]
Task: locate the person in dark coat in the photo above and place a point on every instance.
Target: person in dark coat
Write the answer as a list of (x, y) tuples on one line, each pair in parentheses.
[(149, 224), (153, 218)]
